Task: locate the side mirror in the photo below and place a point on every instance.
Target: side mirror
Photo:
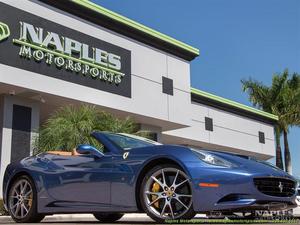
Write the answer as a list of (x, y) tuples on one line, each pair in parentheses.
[(88, 149)]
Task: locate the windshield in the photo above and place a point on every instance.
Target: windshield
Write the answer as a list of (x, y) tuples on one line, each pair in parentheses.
[(128, 141), (267, 163)]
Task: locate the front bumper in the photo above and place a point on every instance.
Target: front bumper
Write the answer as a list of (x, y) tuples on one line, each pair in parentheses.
[(236, 192)]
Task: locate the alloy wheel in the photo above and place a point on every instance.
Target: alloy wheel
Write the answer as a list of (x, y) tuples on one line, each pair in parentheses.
[(20, 199), (167, 193)]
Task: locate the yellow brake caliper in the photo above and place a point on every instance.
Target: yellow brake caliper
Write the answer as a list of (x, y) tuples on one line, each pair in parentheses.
[(155, 188), (30, 200)]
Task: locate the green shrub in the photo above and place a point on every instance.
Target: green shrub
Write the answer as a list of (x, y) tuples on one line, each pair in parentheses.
[(3, 212), (72, 125)]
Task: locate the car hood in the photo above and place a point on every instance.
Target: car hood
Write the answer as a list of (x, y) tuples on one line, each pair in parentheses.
[(253, 166)]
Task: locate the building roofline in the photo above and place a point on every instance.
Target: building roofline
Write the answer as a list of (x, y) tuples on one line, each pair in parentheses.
[(232, 106), (134, 24), (128, 27)]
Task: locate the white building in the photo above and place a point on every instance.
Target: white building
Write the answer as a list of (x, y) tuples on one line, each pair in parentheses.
[(54, 53)]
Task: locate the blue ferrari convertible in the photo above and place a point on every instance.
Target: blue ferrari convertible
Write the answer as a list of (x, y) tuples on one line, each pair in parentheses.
[(132, 174)]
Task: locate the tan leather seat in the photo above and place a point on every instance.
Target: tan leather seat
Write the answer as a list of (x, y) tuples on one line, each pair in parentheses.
[(64, 153), (58, 152), (74, 152)]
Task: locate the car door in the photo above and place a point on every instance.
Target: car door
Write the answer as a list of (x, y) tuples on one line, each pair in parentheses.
[(122, 182), (82, 180)]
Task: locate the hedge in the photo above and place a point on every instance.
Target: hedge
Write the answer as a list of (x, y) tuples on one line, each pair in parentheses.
[(3, 212)]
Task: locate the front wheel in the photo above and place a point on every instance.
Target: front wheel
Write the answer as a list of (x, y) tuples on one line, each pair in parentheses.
[(166, 193), (22, 201), (108, 217)]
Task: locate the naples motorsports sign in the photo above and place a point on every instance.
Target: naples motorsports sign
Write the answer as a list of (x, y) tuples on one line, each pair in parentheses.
[(60, 50), (38, 45)]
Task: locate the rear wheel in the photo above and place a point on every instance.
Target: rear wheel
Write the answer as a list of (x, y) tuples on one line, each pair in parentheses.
[(22, 201), (166, 193), (108, 217)]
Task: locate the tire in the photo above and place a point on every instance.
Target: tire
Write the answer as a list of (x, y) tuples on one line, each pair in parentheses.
[(21, 200), (159, 194), (108, 217)]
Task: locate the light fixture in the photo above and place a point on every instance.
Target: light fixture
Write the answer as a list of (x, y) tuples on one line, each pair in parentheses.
[(12, 92), (42, 100)]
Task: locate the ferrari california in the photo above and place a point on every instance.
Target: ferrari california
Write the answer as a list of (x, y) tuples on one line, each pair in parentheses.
[(129, 174)]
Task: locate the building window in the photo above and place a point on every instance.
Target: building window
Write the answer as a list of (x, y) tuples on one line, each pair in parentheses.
[(21, 132), (261, 137), (167, 85), (209, 124)]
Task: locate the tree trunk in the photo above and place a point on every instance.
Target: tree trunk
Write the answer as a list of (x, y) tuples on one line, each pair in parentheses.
[(279, 162), (287, 154)]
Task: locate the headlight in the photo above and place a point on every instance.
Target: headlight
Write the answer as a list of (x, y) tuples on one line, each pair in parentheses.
[(212, 159)]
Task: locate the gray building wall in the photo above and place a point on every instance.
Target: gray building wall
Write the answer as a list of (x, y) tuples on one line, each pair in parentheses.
[(16, 142), (148, 66), (230, 132), (1, 124)]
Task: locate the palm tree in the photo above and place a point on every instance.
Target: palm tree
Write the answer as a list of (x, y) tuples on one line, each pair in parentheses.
[(264, 98), (70, 126), (282, 98), (289, 112)]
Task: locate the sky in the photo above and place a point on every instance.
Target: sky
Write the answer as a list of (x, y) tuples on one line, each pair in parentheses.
[(237, 40)]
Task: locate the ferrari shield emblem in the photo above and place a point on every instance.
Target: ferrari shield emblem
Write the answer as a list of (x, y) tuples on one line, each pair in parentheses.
[(125, 155)]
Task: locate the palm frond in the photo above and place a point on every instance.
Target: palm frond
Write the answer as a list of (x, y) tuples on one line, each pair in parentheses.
[(70, 126), (259, 94)]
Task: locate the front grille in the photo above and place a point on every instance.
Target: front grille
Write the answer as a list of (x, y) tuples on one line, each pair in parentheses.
[(279, 187)]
